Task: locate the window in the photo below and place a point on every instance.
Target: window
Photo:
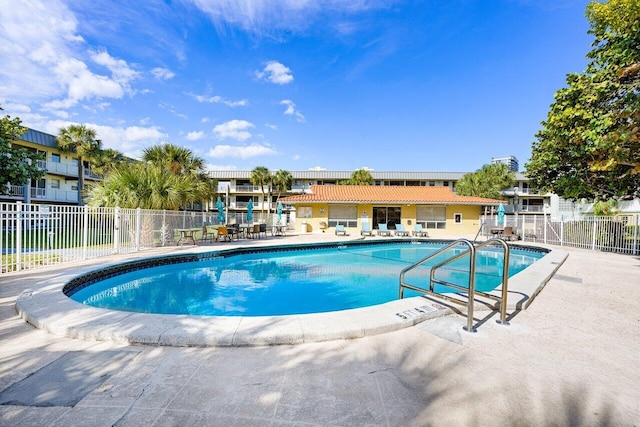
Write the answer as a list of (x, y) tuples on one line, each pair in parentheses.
[(434, 217), (457, 218), (304, 211), (55, 183), (346, 215), (432, 183), (55, 158), (445, 183)]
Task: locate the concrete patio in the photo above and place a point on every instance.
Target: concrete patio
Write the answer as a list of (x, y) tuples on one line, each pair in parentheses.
[(570, 359)]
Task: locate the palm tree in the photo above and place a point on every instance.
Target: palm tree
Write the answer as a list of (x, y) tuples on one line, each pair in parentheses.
[(82, 141), (181, 161), (177, 160), (139, 185), (260, 176), (488, 181), (361, 177), (107, 161), (282, 181)]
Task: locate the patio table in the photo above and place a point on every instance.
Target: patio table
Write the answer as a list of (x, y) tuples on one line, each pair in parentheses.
[(185, 234)]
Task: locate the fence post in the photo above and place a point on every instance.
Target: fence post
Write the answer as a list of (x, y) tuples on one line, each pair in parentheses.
[(85, 232), (635, 236), (138, 228), (562, 233), (116, 230), (164, 227), (18, 236), (545, 229), (595, 230)]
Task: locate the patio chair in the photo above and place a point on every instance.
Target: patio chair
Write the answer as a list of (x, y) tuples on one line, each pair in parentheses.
[(400, 231), (341, 230), (383, 230), (263, 230), (366, 229), (418, 231), (207, 234), (223, 233), (509, 234)]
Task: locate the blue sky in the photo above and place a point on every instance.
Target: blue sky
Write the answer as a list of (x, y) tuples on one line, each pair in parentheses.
[(295, 84)]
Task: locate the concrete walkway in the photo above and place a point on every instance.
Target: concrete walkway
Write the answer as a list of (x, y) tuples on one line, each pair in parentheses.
[(570, 359)]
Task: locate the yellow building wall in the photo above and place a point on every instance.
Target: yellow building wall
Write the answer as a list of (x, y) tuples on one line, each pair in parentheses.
[(469, 219)]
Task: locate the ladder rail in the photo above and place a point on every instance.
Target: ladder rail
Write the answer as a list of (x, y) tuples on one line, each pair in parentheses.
[(471, 291)]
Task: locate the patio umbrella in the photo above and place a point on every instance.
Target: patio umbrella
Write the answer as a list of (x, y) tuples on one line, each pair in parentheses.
[(220, 207), (279, 211), (250, 211), (500, 214)]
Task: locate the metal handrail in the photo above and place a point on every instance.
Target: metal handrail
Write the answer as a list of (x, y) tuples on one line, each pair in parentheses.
[(472, 249), (482, 223)]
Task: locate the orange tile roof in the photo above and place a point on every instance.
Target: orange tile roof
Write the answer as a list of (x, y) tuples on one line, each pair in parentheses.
[(386, 194)]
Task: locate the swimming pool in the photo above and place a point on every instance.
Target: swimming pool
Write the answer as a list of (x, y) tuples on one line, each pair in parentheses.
[(279, 281)]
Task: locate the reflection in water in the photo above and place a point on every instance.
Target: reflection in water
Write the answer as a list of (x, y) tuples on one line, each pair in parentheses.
[(285, 282)]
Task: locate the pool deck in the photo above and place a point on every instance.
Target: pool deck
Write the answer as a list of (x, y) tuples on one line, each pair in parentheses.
[(570, 358)]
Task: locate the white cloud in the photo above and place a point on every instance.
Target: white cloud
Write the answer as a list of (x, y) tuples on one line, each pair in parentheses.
[(219, 100), (235, 129), (46, 61), (296, 157), (276, 73), (194, 136), (162, 73), (130, 140), (291, 110), (260, 16), (170, 108), (242, 152), (317, 168), (270, 126)]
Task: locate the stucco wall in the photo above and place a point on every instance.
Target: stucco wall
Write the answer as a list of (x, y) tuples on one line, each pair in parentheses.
[(469, 216)]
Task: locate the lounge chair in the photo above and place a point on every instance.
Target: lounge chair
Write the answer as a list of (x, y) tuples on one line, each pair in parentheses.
[(418, 231), (341, 230), (263, 230), (383, 231), (400, 231), (366, 229)]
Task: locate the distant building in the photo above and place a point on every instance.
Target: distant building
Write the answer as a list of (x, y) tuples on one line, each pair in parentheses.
[(511, 161)]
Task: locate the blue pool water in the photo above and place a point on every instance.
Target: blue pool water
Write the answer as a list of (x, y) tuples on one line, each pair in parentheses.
[(288, 282)]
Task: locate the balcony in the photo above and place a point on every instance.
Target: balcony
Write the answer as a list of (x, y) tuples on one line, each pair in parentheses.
[(43, 194)]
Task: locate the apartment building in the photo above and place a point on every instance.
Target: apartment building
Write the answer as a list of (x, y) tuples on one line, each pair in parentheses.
[(60, 184), (521, 199)]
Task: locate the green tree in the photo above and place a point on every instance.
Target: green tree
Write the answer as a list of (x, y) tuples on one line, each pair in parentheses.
[(488, 181), (146, 186), (181, 161), (17, 165), (282, 181), (82, 141), (358, 177), (178, 160), (106, 161), (261, 177), (589, 146)]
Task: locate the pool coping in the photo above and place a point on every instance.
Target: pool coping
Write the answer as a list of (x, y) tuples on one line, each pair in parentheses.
[(45, 306)]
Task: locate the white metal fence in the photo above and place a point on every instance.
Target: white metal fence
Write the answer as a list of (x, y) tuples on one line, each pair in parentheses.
[(34, 235), (619, 234)]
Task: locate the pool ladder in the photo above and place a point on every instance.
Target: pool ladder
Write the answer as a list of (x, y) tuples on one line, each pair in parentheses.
[(471, 249)]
